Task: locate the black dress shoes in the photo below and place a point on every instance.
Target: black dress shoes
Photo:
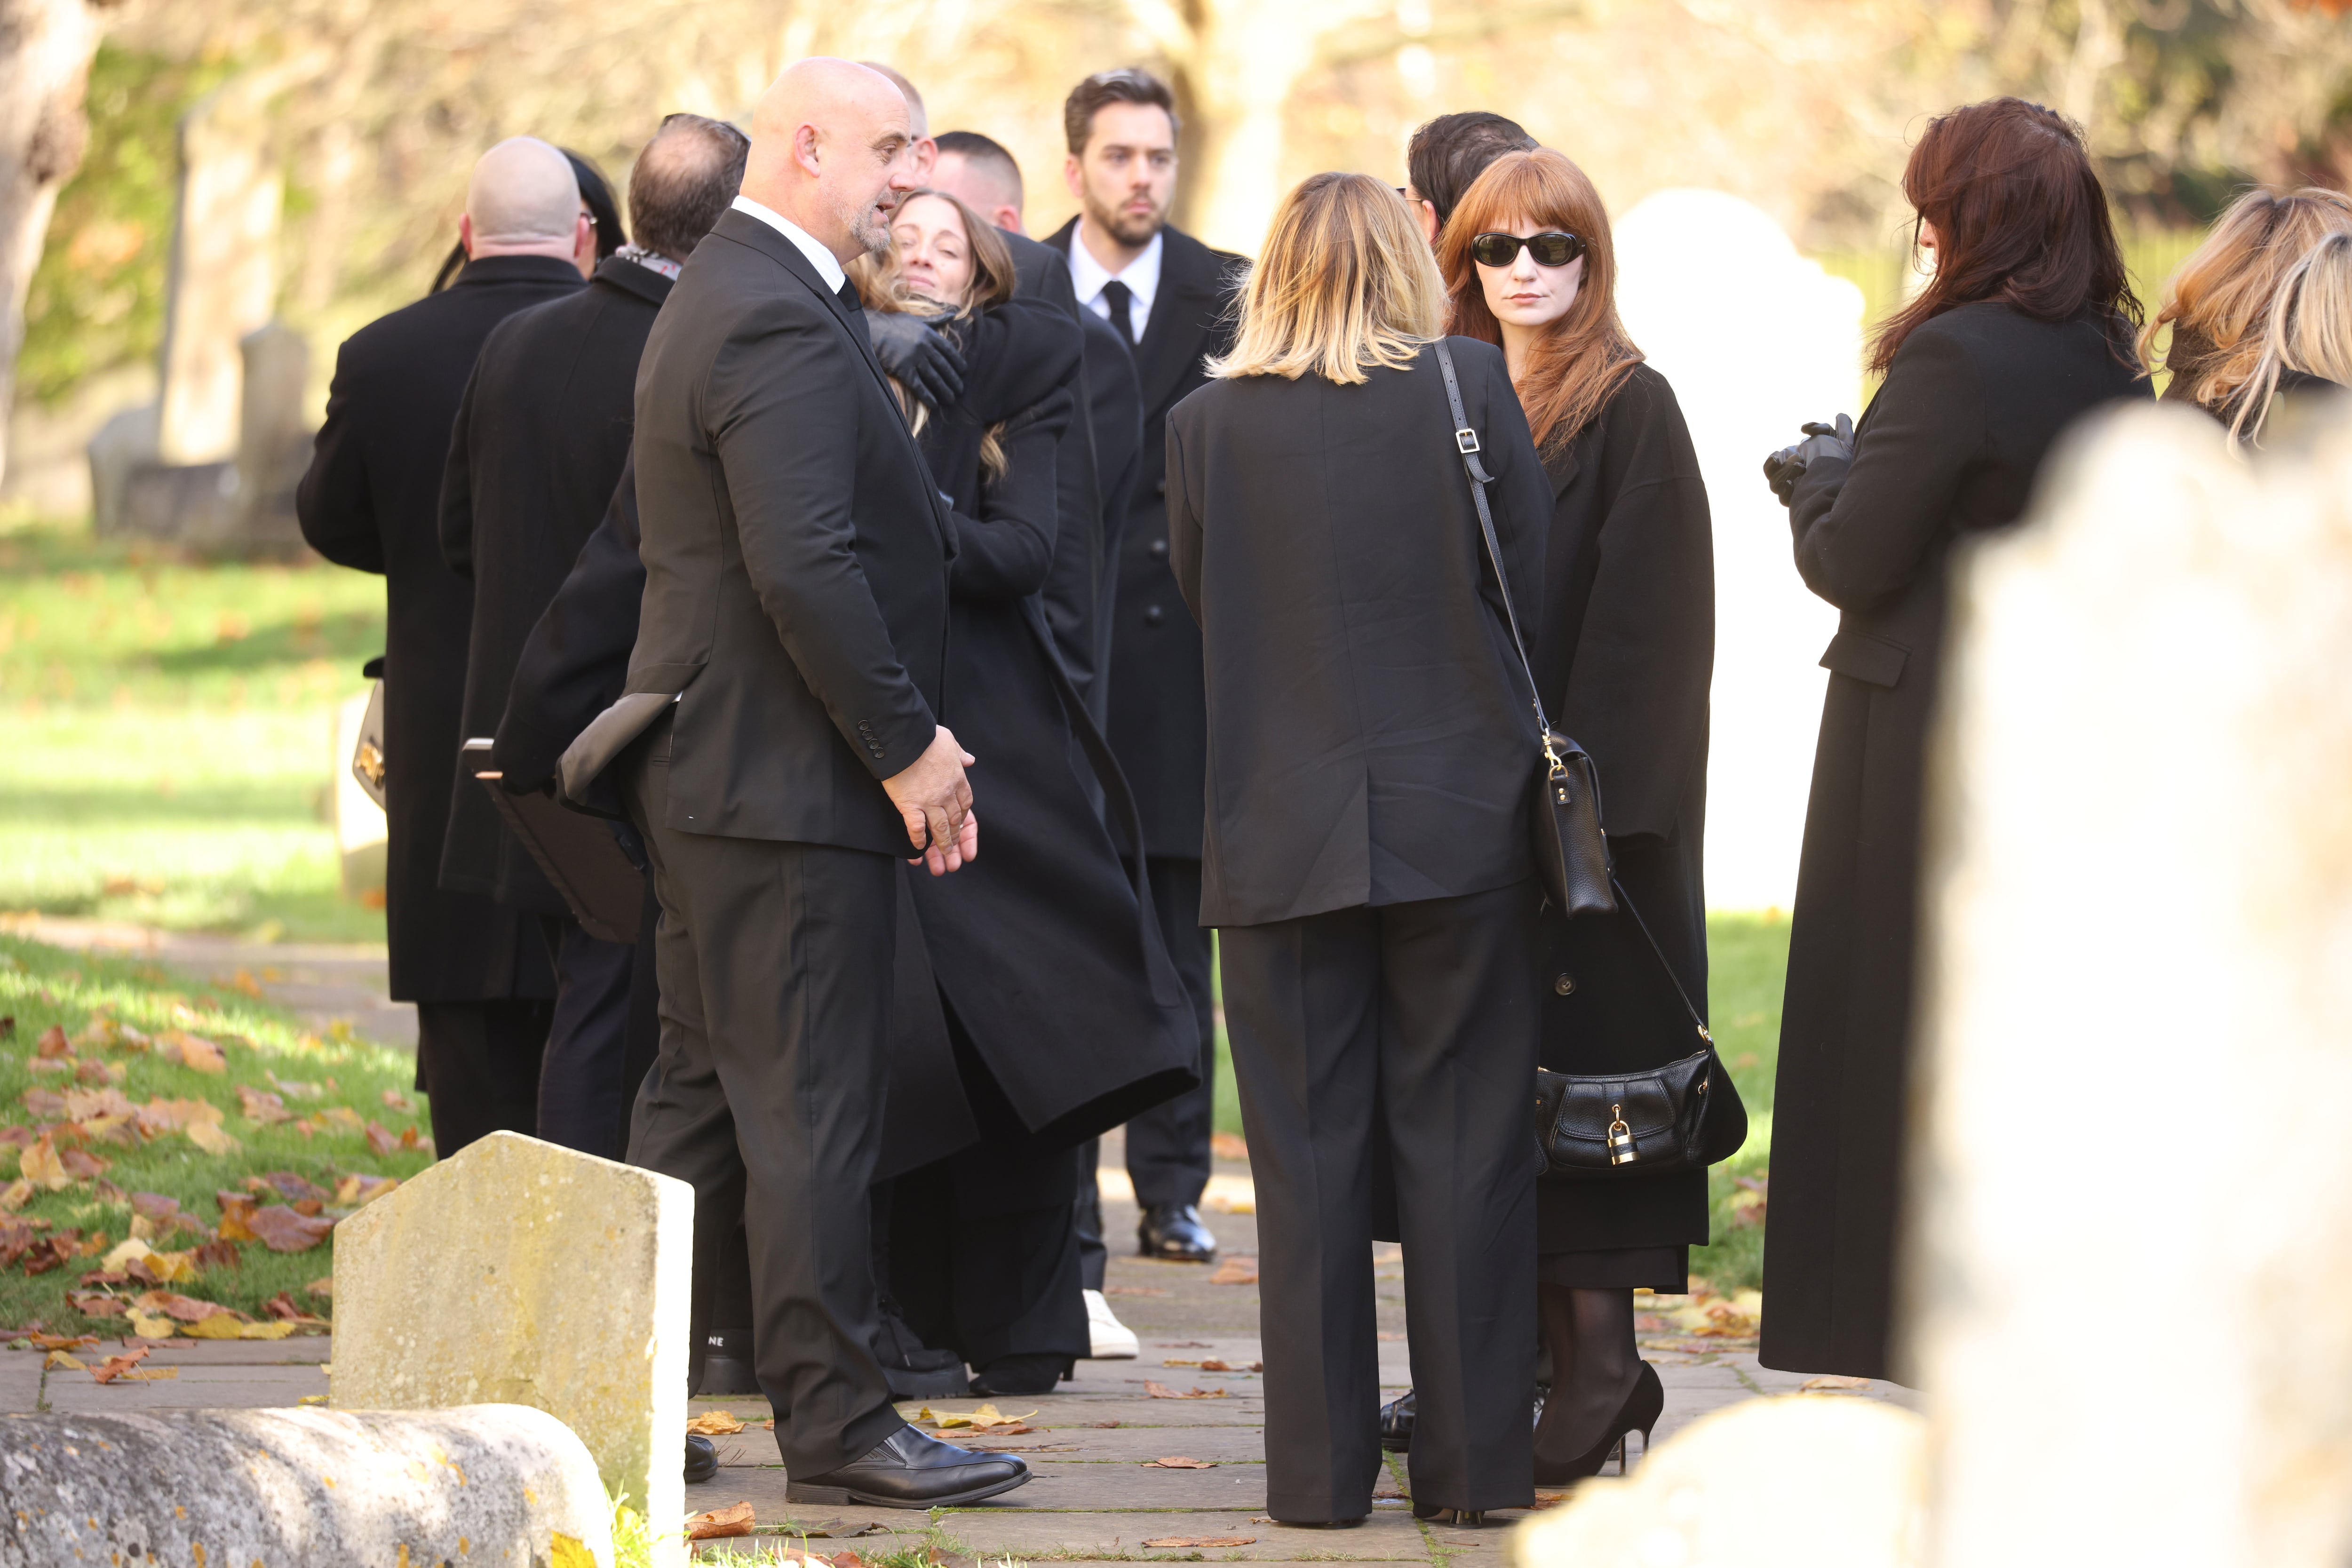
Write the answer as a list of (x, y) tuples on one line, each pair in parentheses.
[(1025, 1373), (701, 1459), (727, 1364), (908, 1470), (913, 1369), (1173, 1233)]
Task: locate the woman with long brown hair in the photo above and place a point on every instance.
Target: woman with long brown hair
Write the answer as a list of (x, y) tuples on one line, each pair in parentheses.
[(1625, 660), (2025, 325), (2219, 298)]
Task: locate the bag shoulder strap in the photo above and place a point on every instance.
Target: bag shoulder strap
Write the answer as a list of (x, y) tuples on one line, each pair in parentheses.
[(1660, 954), (1465, 443)]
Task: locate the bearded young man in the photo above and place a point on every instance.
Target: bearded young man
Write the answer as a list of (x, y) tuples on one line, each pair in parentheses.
[(1165, 293)]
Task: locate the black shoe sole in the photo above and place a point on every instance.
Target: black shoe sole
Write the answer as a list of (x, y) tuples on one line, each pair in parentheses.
[(723, 1375), (949, 1384), (1178, 1254), (811, 1491)]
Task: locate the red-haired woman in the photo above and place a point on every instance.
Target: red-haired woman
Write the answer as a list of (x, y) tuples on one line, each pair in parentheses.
[(2026, 325), (1626, 658)]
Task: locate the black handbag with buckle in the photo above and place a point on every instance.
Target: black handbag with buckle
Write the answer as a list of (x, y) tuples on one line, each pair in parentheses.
[(1571, 853), (1683, 1116)]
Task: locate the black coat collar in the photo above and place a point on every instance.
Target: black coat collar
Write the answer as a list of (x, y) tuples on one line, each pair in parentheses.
[(1193, 283), (514, 270), (628, 277)]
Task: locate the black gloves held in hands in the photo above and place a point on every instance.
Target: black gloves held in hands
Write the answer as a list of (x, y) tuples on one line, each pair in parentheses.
[(924, 358), (1784, 468)]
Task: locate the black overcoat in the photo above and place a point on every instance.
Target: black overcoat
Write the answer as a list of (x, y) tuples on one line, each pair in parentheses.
[(1626, 657), (1159, 722), (1044, 945), (370, 501), (1948, 448), (1369, 739), (538, 445), (1115, 400)]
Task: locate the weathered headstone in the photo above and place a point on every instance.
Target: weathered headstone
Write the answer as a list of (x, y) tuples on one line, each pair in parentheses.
[(124, 445), (1756, 340), (2132, 1204), (224, 276), (520, 1272), (273, 448), (1806, 1481), (486, 1484)]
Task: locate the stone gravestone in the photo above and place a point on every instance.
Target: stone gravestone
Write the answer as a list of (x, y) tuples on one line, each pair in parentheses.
[(224, 276), (273, 448), (519, 1272), (2132, 1208), (1756, 340)]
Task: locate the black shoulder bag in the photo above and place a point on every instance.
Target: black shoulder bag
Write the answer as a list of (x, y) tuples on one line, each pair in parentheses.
[(1683, 1116)]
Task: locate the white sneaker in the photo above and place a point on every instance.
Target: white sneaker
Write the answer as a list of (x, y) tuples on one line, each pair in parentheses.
[(1113, 1341)]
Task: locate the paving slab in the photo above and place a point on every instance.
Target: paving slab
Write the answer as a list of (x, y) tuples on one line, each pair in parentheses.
[(1037, 1534)]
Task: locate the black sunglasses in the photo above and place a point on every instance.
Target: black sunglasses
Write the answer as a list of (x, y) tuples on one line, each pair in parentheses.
[(1550, 248)]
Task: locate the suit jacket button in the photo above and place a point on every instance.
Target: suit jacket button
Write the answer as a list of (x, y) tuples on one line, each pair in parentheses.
[(1153, 615), (1565, 984), (1159, 549)]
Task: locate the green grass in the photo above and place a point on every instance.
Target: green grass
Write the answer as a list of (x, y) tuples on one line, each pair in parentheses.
[(167, 735), (42, 985)]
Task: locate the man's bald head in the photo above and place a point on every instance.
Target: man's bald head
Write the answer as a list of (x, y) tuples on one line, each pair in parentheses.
[(831, 150), (522, 192)]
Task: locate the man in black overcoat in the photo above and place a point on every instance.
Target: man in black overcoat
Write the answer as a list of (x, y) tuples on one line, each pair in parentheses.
[(783, 753), (1166, 294), (478, 972), (538, 445)]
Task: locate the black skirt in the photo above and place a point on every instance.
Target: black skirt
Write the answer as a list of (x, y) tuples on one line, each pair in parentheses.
[(1665, 1269)]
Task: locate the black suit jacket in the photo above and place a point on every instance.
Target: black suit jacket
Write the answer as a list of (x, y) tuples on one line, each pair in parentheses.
[(796, 556), (1370, 736), (370, 501), (540, 442), (1159, 717)]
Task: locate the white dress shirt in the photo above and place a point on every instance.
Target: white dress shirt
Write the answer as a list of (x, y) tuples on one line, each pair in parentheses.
[(1142, 277), (828, 266)]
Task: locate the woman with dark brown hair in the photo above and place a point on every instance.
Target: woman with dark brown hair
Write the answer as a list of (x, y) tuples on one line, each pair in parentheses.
[(1624, 657), (2025, 325)]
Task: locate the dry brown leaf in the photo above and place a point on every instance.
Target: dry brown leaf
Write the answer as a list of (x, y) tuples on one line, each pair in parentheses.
[(191, 1051), (52, 1043), (715, 1424), (321, 1288), (1235, 1271), (150, 1326), (81, 1164), (116, 1365), (715, 1523), (59, 1360), (40, 1165), (1228, 1146), (260, 1105), (151, 1374), (1172, 1363), (93, 1304), (15, 1196), (1183, 1462), (211, 1138), (1189, 1543), (1161, 1391), (381, 1140), (282, 1308), (1832, 1385), (280, 1229), (235, 1209), (395, 1101)]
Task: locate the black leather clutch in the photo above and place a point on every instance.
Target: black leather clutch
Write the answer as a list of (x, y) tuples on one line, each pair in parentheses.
[(1683, 1116)]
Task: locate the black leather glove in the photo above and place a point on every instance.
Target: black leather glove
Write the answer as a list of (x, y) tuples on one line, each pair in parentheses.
[(1784, 468), (921, 356)]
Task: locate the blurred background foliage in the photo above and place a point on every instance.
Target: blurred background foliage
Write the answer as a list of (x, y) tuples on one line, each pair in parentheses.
[(1806, 108)]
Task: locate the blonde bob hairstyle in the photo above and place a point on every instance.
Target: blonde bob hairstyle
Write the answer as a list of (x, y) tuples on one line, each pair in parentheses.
[(2218, 300), (1344, 286), (2309, 329)]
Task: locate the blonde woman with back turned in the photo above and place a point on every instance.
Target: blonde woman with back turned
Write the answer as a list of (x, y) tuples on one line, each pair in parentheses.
[(2305, 346), (2218, 300), (1371, 742)]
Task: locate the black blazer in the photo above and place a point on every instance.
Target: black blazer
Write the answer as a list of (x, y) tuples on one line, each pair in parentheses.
[(1115, 400), (540, 442), (1158, 720), (370, 501), (1949, 448), (1369, 737), (796, 556)]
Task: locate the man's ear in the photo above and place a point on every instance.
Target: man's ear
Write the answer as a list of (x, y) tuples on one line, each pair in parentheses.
[(465, 234), (1426, 211), (1074, 175), (808, 149), (1008, 217)]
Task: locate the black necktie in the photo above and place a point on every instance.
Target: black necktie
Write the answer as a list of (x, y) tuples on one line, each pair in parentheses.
[(855, 306), (1120, 296)]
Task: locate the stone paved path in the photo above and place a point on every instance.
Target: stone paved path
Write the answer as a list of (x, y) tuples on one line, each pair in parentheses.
[(1098, 1495)]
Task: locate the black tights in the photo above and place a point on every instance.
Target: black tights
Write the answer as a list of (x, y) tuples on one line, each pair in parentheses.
[(1595, 1364)]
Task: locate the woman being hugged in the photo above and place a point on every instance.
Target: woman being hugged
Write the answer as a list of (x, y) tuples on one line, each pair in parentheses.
[(1626, 657), (2026, 326), (1372, 748)]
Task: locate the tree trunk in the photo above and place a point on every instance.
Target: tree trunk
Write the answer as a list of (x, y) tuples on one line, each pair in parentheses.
[(45, 53)]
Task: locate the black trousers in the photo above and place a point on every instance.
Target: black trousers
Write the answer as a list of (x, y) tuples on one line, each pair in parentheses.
[(1412, 1028), (1168, 1145), (775, 963), (477, 1063), (585, 1095)]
